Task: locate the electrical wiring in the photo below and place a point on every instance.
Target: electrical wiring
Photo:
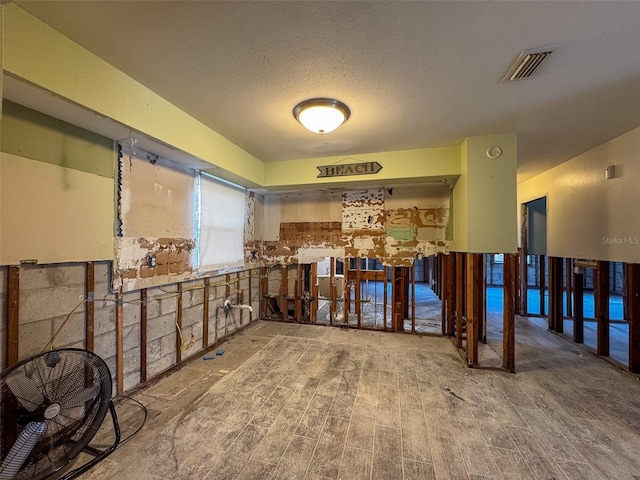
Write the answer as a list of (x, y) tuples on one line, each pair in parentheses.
[(49, 346), (144, 419)]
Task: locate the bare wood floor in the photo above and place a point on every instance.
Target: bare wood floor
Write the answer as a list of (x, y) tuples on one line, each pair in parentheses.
[(310, 402)]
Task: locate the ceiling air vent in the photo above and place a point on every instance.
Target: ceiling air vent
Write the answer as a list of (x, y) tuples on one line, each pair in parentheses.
[(527, 64)]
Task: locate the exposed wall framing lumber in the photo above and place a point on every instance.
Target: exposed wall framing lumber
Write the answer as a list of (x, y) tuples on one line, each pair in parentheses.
[(413, 300), (314, 293), (633, 296), (332, 283), (523, 307), (460, 296), (474, 305), (89, 341), (601, 300), (386, 296), (568, 286), (119, 344), (508, 312), (143, 335), (443, 261), (452, 294), (179, 324), (205, 312), (543, 284), (13, 316), (578, 306), (556, 316)]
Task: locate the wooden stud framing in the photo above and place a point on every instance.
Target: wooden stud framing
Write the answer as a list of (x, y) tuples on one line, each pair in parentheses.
[(250, 294), (332, 288), (556, 314), (89, 341), (508, 312), (298, 292), (633, 297), (143, 335), (601, 300), (413, 299), (357, 292), (444, 297), (314, 292), (474, 306), (179, 324), (568, 287), (119, 344), (264, 282), (483, 318), (578, 306), (386, 296), (460, 295), (452, 295), (205, 312), (284, 291), (13, 316), (543, 281)]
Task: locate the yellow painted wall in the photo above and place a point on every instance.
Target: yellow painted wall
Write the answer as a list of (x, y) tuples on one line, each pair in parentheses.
[(35, 52), (413, 166), (588, 215), (487, 222)]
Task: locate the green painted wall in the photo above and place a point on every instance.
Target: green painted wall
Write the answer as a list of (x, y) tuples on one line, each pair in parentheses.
[(38, 54), (34, 135)]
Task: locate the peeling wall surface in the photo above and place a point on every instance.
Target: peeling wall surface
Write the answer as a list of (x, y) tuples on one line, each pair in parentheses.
[(392, 225)]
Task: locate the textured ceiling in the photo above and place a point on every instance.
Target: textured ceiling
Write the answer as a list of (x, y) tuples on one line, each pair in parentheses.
[(415, 74)]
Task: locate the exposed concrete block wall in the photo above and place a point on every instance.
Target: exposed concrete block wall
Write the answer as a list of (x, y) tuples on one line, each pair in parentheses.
[(50, 293)]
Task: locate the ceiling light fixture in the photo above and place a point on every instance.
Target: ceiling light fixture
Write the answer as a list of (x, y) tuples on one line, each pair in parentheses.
[(321, 115)]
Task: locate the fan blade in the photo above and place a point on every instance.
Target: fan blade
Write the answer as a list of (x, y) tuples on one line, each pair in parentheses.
[(26, 390), (81, 398), (21, 450)]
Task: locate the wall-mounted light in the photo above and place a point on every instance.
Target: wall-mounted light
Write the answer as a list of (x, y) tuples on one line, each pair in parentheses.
[(321, 115)]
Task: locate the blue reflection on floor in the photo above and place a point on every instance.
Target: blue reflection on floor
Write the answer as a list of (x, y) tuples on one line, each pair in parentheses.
[(618, 332)]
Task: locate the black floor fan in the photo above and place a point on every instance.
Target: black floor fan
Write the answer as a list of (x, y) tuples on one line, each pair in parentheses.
[(51, 406)]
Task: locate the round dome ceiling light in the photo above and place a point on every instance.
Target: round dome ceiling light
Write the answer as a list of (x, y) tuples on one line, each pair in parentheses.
[(321, 115)]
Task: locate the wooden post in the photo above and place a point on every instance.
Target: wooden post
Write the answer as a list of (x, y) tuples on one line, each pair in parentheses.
[(314, 292), (89, 334), (556, 315), (568, 286), (413, 299), (386, 274), (205, 312), (332, 289), (578, 306), (284, 291), (250, 295), (264, 287), (357, 292), (482, 327), (298, 292), (633, 297), (179, 324), (119, 343), (474, 307), (143, 335), (508, 312), (543, 282), (451, 294), (13, 316), (444, 297), (460, 294), (601, 298), (626, 293)]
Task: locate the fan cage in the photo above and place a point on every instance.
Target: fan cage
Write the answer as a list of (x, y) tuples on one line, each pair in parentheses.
[(67, 390)]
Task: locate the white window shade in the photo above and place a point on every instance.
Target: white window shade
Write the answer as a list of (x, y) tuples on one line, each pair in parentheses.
[(222, 211)]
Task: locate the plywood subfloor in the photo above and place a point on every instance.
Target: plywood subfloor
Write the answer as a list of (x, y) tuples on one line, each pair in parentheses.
[(310, 402)]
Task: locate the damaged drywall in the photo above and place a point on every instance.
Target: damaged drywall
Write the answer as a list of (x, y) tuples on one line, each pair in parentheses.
[(391, 225)]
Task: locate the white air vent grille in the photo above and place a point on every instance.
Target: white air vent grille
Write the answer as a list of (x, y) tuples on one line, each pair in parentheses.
[(527, 64)]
